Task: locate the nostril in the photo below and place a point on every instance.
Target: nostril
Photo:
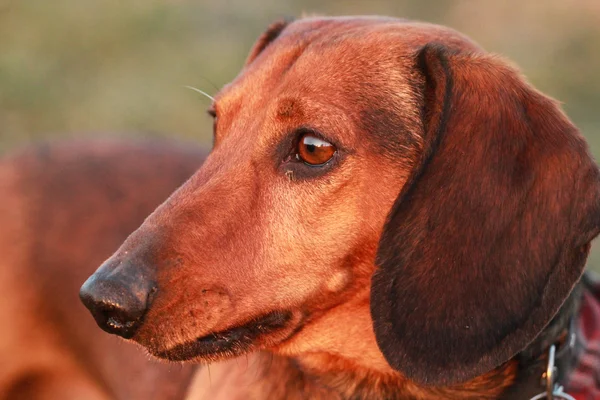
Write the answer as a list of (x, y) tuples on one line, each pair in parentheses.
[(115, 320)]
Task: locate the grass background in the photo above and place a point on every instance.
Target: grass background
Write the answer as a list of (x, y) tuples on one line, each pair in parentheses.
[(77, 68)]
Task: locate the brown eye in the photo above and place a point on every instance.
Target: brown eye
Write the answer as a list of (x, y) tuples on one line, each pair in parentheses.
[(313, 150)]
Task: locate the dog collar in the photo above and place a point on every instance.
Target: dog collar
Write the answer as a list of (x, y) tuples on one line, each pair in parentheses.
[(553, 389), (569, 368), (546, 366), (583, 382)]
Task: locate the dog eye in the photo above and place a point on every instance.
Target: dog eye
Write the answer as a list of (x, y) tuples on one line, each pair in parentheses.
[(313, 150), (213, 114)]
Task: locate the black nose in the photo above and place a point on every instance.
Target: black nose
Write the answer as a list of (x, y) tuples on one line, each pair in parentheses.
[(118, 306)]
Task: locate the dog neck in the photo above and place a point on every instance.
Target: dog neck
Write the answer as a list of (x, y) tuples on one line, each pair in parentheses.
[(317, 375), (340, 379), (331, 375)]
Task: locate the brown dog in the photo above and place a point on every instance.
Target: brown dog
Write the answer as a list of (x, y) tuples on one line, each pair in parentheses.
[(64, 208), (389, 211)]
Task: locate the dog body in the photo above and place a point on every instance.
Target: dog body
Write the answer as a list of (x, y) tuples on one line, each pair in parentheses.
[(63, 209)]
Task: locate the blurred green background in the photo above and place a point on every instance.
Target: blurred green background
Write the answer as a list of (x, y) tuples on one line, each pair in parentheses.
[(77, 68)]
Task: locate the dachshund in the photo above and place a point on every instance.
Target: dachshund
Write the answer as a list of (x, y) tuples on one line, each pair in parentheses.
[(64, 208), (388, 212)]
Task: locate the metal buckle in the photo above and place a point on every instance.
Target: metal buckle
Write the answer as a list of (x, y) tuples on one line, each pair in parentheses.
[(553, 389)]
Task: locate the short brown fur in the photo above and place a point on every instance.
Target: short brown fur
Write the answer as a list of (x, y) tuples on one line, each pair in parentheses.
[(448, 164), (254, 232), (326, 253)]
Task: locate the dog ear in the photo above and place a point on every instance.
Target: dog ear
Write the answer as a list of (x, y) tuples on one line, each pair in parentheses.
[(490, 233), (272, 33)]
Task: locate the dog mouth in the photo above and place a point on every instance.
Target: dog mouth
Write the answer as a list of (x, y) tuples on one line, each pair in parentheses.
[(231, 342)]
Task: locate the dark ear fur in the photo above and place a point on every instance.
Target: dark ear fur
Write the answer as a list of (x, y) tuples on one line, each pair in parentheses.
[(272, 32), (490, 233)]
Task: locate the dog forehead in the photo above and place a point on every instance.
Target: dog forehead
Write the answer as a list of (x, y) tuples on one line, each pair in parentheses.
[(341, 49), (397, 34)]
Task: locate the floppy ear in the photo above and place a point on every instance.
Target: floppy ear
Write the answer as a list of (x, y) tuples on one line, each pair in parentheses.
[(490, 233)]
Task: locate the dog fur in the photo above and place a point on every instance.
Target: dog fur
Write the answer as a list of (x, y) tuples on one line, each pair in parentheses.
[(439, 241), (444, 235)]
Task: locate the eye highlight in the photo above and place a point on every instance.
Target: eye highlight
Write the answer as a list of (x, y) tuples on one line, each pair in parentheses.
[(313, 150)]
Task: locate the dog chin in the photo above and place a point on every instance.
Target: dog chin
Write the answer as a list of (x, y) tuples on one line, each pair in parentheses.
[(264, 331)]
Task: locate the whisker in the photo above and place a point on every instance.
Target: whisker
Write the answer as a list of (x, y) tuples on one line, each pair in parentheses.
[(200, 91), (209, 82)]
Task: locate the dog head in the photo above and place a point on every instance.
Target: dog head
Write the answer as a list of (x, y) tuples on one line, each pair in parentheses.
[(389, 165)]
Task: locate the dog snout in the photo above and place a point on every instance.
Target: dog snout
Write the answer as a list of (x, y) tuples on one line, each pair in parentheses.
[(117, 301)]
